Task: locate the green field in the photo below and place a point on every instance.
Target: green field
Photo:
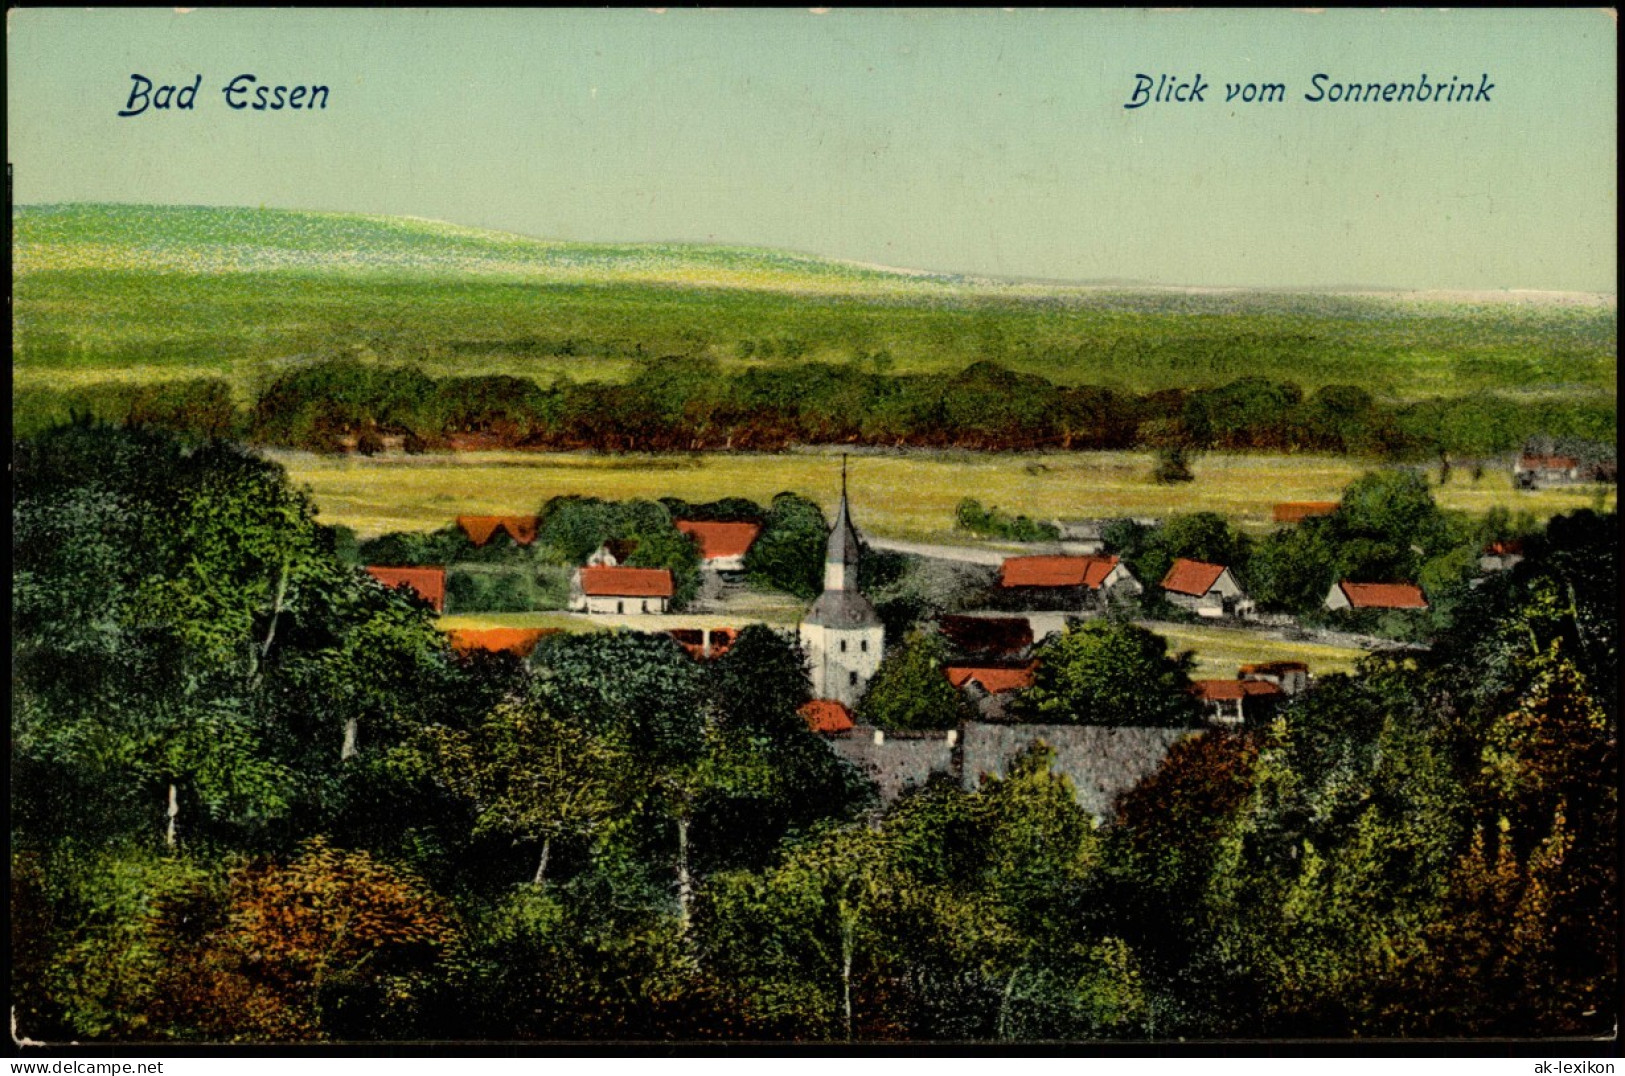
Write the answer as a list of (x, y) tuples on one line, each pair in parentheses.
[(898, 495), (1219, 651), (152, 293)]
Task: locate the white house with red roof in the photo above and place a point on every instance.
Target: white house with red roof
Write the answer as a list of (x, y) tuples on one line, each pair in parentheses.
[(1346, 595), (1208, 590), (1231, 702), (1056, 581), (1532, 471), (621, 590), (722, 545)]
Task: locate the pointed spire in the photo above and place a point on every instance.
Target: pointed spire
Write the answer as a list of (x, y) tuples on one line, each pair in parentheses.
[(843, 536)]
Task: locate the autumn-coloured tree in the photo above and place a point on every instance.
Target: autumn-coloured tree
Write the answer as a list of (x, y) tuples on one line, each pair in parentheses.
[(333, 945)]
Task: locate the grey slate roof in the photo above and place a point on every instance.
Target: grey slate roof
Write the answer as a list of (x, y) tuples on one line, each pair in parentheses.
[(843, 545), (842, 609)]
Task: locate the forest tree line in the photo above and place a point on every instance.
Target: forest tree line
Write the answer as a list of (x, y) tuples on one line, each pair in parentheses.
[(691, 404), (257, 797)]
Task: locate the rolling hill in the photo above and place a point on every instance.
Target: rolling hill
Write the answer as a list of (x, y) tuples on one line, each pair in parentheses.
[(115, 292)]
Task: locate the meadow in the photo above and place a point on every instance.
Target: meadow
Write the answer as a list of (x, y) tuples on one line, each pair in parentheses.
[(134, 293), (909, 496)]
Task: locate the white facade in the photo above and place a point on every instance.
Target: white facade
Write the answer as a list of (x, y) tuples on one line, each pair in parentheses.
[(604, 603), (1224, 598), (842, 660)]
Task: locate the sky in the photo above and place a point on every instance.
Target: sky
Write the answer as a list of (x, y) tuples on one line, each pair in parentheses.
[(990, 142)]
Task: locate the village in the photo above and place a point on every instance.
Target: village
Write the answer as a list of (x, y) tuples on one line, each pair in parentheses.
[(990, 655)]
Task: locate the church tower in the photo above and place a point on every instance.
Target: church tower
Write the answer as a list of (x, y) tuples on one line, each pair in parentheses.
[(842, 633)]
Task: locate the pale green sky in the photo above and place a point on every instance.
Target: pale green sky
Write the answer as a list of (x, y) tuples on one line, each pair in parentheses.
[(981, 141)]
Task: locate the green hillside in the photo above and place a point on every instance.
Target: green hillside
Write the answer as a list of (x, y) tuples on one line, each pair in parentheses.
[(140, 292)]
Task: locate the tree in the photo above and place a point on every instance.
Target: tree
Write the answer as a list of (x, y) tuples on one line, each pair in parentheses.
[(909, 690), (789, 553), (532, 777), (1108, 673)]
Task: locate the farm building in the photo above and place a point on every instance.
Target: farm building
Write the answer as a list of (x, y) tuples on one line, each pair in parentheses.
[(1208, 590), (722, 545), (613, 553), (827, 716), (427, 583), (1064, 582), (989, 687), (1347, 595), (620, 590), (703, 644), (1298, 511), (481, 529), (1499, 556), (1534, 472), (1234, 702), (516, 641), (987, 637), (1291, 677)]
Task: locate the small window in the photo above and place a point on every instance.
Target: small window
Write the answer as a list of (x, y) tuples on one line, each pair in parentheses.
[(644, 606), (620, 607), (852, 679), (864, 646), (843, 646)]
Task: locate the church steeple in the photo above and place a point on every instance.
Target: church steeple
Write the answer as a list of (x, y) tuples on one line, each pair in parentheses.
[(841, 633), (843, 551)]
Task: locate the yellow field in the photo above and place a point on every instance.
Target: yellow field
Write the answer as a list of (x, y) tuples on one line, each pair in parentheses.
[(897, 495), (1219, 650)]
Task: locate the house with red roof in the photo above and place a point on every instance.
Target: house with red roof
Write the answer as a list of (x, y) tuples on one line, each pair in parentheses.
[(995, 638), (722, 545), (1357, 596), (426, 583), (1500, 556), (1233, 702), (1208, 590), (704, 644), (1298, 511), (481, 529), (990, 686), (1058, 582), (1535, 471), (516, 641), (621, 590), (826, 716), (1291, 677)]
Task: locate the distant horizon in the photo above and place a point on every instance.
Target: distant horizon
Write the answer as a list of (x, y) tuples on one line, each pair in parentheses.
[(1101, 283), (1174, 148)]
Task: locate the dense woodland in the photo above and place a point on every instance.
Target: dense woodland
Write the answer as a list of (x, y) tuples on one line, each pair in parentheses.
[(689, 404), (256, 797)]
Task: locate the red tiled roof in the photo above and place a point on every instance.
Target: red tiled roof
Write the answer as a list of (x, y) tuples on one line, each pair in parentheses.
[(1547, 463), (479, 529), (429, 583), (721, 539), (1225, 690), (1056, 571), (1510, 548), (1298, 511), (692, 640), (995, 679), (626, 582), (827, 715), (987, 634), (1192, 577), (1384, 595), (517, 641)]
